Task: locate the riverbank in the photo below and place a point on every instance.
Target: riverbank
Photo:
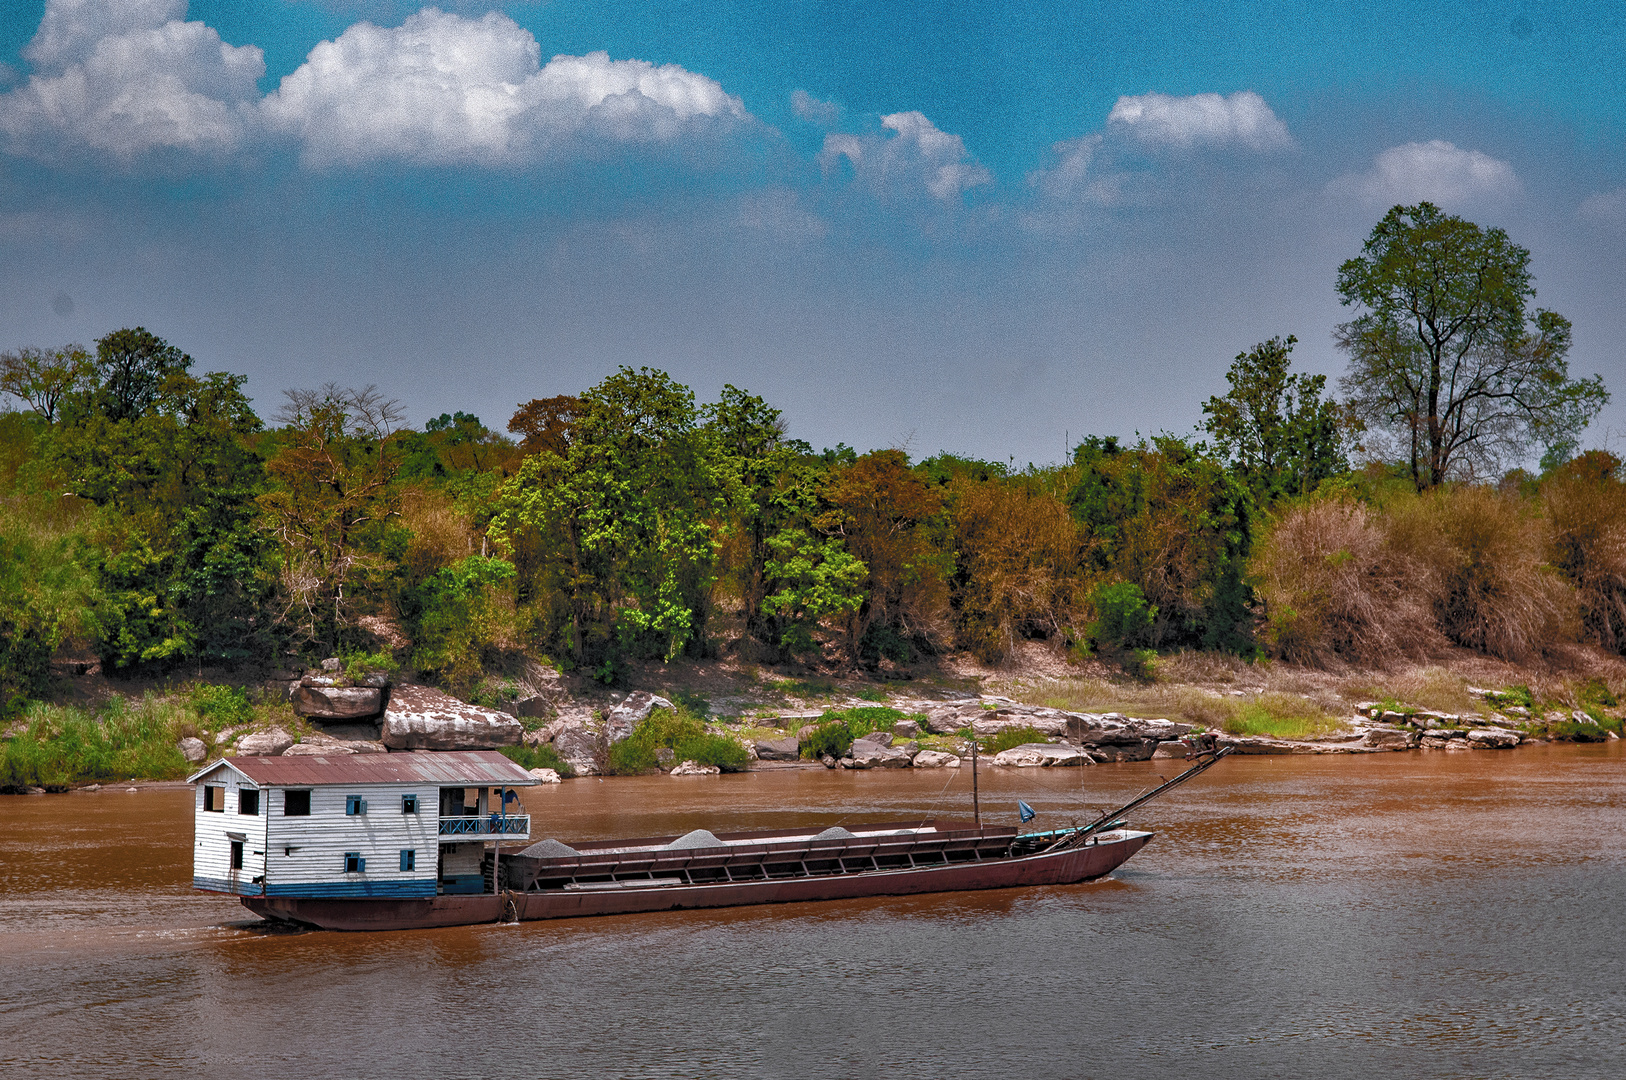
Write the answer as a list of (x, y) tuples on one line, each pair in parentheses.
[(721, 717)]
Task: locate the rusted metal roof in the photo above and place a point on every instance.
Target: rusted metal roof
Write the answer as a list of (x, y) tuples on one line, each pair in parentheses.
[(461, 768)]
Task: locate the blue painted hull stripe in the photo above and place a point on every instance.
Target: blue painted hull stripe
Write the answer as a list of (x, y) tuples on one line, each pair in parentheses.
[(350, 890), (238, 888)]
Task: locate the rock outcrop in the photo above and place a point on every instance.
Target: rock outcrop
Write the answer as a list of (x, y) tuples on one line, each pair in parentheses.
[(315, 701), (632, 711), (192, 749), (423, 718), (693, 768), (1493, 738), (935, 759), (546, 776), (580, 749)]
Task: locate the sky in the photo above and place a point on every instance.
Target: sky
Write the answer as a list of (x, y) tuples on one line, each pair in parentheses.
[(989, 229)]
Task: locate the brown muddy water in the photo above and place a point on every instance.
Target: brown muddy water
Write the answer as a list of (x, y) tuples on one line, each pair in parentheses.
[(1409, 915)]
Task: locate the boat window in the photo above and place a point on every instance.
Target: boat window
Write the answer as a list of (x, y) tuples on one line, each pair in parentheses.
[(236, 854), (248, 801), (355, 805), (409, 859), (296, 804), (214, 799), (409, 804), (354, 863)]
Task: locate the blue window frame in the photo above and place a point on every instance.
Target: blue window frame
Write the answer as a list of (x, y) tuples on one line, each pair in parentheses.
[(409, 804), (409, 859), (354, 863), (354, 805)]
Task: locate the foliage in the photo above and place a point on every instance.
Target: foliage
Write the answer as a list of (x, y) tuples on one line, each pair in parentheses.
[(837, 729), (1585, 503), (221, 706), (459, 619), (1172, 521), (46, 595), (335, 476), (43, 378), (1446, 357), (1273, 427), (681, 732), (538, 757), (1123, 619)]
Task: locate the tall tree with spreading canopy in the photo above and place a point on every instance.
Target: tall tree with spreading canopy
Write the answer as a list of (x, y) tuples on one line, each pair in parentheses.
[(1273, 427), (42, 378), (1446, 355)]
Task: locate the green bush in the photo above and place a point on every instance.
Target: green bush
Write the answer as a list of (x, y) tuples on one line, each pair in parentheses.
[(1123, 619), (1574, 731), (221, 706), (1011, 738), (839, 727), (681, 732), (538, 757)]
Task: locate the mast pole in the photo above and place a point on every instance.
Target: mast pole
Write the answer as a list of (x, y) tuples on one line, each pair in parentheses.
[(976, 807)]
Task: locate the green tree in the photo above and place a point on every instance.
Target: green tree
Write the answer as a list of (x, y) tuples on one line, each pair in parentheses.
[(1273, 427), (131, 366), (1446, 356), (44, 377), (628, 515)]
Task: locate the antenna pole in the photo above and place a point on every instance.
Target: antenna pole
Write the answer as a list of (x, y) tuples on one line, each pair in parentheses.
[(976, 807)]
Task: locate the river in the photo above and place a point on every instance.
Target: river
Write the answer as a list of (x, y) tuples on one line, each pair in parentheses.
[(1418, 915)]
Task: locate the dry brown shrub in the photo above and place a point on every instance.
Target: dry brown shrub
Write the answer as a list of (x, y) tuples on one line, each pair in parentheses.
[(1586, 509), (440, 535), (1484, 556), (1334, 589), (1018, 566)]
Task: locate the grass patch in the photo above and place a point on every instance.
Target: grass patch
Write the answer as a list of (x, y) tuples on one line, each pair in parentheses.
[(1280, 716), (538, 757), (63, 745), (809, 688), (1277, 714), (838, 728), (870, 693), (681, 732), (1011, 738)]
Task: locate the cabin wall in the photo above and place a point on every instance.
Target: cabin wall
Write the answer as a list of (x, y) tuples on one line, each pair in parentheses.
[(307, 854), (213, 833)]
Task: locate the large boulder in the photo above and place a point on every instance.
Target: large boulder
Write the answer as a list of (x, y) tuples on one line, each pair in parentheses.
[(1390, 738), (1140, 750), (314, 747), (1159, 730), (580, 748), (787, 749), (193, 750), (867, 754), (545, 776), (265, 743), (1103, 729), (935, 759), (1030, 755), (634, 710), (906, 729), (423, 718), (318, 702), (694, 768)]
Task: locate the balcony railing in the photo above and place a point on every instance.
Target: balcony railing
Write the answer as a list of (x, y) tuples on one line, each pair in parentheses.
[(490, 825)]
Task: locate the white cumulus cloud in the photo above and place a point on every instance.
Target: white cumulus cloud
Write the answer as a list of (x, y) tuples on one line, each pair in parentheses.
[(917, 156), (1242, 119), (1435, 171), (69, 29), (152, 83), (443, 89)]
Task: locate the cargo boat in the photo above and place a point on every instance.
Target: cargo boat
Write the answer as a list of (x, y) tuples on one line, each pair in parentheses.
[(312, 826)]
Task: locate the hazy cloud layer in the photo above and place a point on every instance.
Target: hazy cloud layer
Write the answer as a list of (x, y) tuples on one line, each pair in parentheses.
[(1243, 119), (1606, 208), (1436, 171)]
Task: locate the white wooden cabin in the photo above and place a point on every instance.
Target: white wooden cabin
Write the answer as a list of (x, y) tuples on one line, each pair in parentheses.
[(354, 825)]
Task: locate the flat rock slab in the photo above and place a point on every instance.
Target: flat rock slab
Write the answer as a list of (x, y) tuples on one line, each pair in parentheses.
[(336, 702), (1493, 738), (692, 768), (423, 718), (314, 747), (936, 759), (1042, 755)]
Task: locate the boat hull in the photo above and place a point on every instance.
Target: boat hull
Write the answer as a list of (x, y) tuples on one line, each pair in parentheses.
[(1083, 863)]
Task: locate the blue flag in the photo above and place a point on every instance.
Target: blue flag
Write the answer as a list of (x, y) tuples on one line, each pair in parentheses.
[(1025, 812)]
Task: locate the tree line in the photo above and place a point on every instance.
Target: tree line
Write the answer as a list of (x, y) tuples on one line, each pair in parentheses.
[(152, 515)]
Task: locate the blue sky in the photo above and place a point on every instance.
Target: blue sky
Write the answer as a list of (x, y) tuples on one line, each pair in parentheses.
[(941, 226)]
